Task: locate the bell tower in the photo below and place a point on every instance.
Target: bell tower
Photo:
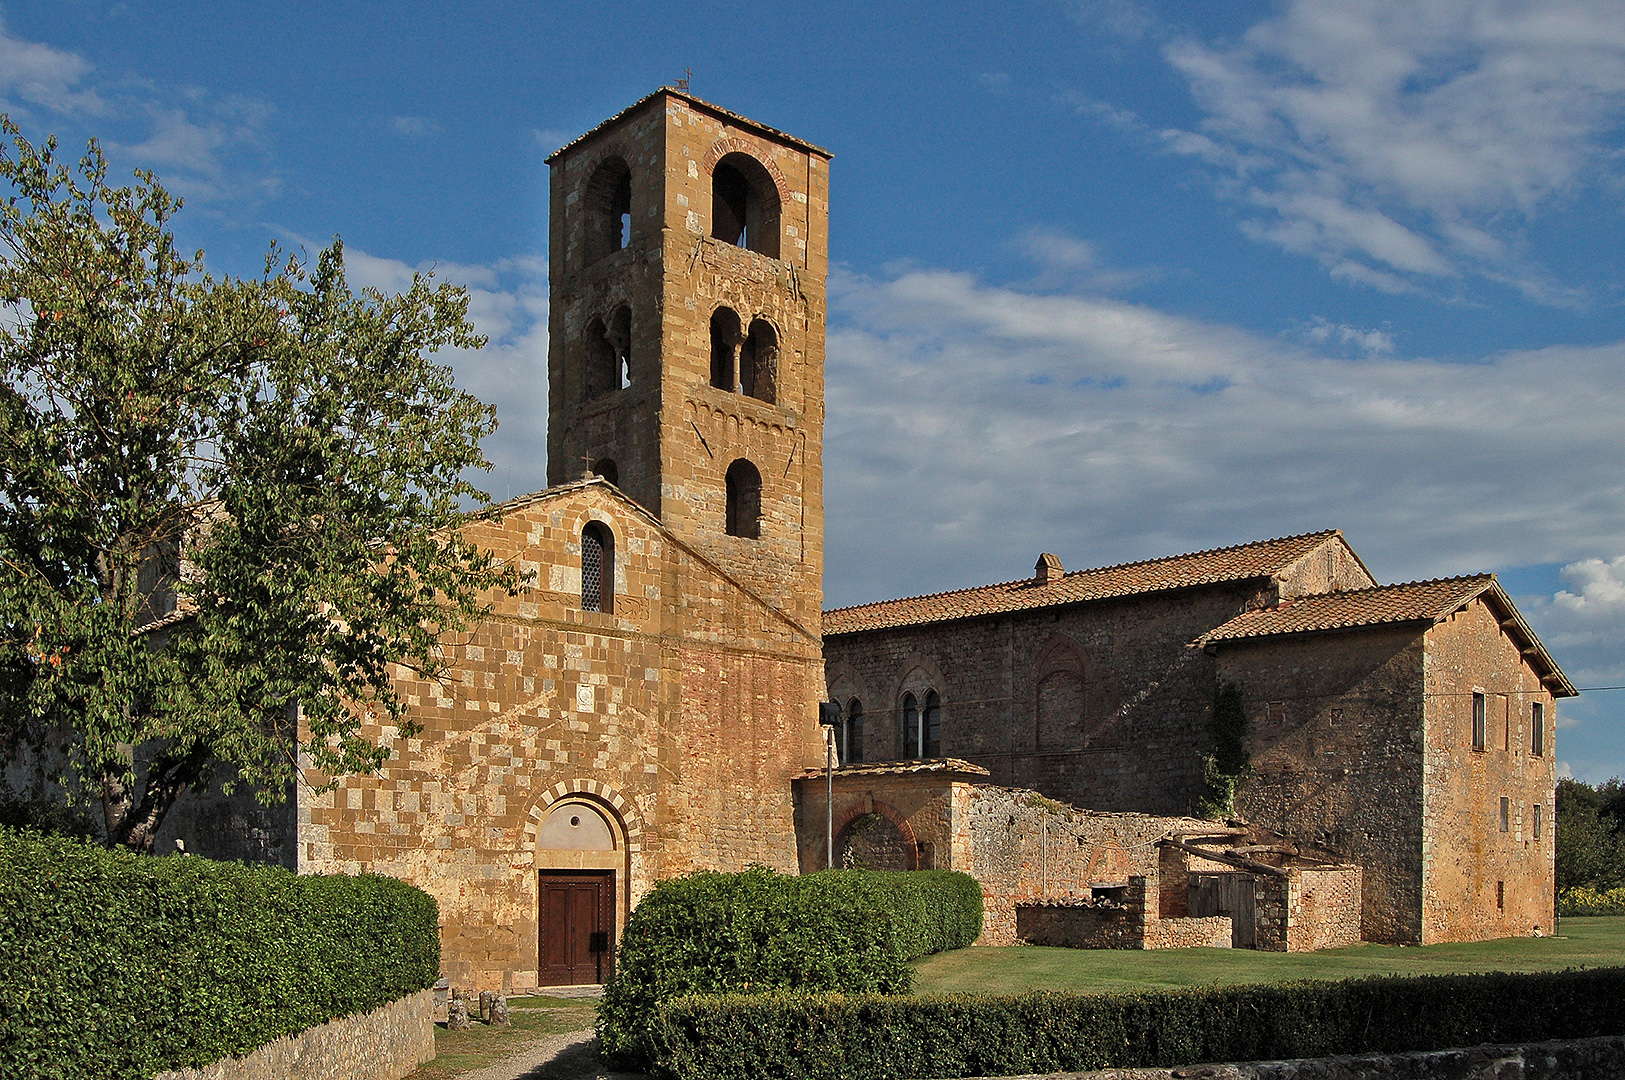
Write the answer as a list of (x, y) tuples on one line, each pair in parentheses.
[(688, 252)]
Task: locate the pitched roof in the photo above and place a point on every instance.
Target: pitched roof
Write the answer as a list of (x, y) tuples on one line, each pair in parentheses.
[(1239, 563), (704, 106), (1411, 601)]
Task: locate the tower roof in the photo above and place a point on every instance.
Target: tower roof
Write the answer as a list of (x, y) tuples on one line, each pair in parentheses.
[(701, 105)]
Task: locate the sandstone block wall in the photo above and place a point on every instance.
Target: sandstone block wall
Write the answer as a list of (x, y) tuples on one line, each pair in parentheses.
[(1478, 880), (385, 1044), (681, 716)]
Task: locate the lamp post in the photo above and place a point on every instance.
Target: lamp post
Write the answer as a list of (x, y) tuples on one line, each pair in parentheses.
[(829, 715)]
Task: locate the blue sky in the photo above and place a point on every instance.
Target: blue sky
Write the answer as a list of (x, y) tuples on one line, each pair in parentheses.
[(1112, 279)]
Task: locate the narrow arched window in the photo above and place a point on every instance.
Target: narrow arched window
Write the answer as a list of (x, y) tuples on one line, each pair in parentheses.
[(852, 732), (744, 500), (931, 726), (911, 727), (597, 568), (724, 347), (745, 204), (759, 362), (608, 208), (598, 375)]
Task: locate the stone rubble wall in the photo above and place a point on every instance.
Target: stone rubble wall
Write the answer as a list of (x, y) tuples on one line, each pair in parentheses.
[(385, 1044)]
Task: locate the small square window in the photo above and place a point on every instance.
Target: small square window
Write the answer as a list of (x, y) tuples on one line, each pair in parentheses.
[(1277, 712)]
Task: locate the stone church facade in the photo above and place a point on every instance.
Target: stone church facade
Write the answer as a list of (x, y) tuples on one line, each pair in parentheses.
[(650, 705)]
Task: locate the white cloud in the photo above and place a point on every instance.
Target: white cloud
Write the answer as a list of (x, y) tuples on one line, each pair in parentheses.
[(40, 75), (508, 303), (1601, 586), (1397, 140), (987, 424), (414, 125)]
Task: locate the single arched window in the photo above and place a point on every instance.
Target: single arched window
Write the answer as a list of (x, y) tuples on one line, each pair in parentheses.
[(744, 500), (852, 732), (724, 347), (605, 467), (607, 364), (745, 204), (931, 726), (911, 727), (608, 207), (759, 361), (597, 568)]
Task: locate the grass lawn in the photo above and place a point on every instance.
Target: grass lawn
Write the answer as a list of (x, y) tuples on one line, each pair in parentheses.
[(529, 1018), (1597, 941)]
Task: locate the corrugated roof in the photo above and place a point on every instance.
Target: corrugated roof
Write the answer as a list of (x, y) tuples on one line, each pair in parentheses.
[(1412, 601), (1259, 559), (732, 117)]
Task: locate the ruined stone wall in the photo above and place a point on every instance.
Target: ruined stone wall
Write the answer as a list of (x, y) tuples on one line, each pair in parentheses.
[(1136, 743), (232, 828), (1481, 881), (1335, 725), (681, 716), (1323, 908)]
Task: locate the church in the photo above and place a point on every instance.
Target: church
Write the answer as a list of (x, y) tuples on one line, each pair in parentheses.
[(652, 704)]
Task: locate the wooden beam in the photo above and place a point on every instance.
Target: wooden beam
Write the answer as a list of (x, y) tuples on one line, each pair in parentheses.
[(1227, 860)]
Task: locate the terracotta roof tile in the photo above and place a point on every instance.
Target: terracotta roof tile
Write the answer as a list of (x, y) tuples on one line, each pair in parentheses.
[(1238, 563), (941, 766), (1413, 601)]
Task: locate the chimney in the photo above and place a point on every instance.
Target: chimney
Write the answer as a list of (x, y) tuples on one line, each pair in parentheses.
[(1048, 569)]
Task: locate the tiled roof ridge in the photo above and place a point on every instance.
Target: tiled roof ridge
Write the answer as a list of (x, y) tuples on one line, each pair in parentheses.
[(1323, 533), (1489, 574)]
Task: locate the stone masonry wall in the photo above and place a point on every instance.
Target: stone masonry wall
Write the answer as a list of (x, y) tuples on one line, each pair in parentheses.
[(1478, 881), (1136, 745), (681, 716), (385, 1044), (1323, 909), (1335, 737)]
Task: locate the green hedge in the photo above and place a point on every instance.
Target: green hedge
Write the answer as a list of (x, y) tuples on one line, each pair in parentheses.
[(124, 965), (712, 933), (831, 1036)]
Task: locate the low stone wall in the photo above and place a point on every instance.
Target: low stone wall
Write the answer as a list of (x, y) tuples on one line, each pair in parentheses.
[(1575, 1059), (1325, 909), (1127, 921), (385, 1044)]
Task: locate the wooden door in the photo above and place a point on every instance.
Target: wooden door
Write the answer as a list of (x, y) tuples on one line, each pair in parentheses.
[(1227, 894), (576, 918)]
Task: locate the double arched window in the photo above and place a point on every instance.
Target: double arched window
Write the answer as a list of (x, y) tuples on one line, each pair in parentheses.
[(745, 204), (608, 363), (744, 360), (921, 726), (744, 485), (597, 568), (851, 732)]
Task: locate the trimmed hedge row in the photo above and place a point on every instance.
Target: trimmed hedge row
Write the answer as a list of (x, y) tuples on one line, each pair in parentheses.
[(834, 1036), (118, 964), (711, 933)]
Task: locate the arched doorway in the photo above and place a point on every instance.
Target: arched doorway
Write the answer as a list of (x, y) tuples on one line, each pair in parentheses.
[(874, 842), (577, 856)]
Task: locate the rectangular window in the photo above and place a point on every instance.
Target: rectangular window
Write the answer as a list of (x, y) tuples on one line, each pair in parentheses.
[(1277, 712), (1500, 896), (1538, 816), (1537, 729), (1503, 705), (1480, 722), (1506, 814)]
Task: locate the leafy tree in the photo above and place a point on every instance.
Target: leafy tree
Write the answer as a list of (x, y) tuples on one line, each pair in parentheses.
[(229, 508), (1590, 845)]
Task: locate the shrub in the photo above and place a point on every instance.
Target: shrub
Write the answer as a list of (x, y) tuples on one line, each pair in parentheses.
[(119, 964), (1584, 901), (830, 1036), (710, 933)]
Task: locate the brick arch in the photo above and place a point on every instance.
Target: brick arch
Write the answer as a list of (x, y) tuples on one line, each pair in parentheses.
[(730, 145), (1060, 655), (592, 791), (890, 813)]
